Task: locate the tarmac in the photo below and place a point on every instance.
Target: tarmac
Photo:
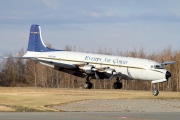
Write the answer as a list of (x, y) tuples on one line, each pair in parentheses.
[(90, 116), (122, 105), (120, 109)]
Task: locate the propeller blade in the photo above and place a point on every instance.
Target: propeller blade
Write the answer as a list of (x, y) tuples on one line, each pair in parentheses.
[(110, 78), (115, 74), (96, 75)]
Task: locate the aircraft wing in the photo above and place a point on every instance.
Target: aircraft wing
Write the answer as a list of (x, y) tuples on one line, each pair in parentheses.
[(86, 68), (58, 64)]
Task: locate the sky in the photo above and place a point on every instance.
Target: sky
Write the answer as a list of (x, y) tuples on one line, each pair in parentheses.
[(92, 24)]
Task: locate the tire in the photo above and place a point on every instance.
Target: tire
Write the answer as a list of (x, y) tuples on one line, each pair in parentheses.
[(155, 92), (85, 85), (120, 85), (88, 85), (117, 85)]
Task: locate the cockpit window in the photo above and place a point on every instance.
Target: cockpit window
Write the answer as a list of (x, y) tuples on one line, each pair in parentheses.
[(158, 67)]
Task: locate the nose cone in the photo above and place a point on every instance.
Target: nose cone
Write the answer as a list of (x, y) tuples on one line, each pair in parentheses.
[(168, 75)]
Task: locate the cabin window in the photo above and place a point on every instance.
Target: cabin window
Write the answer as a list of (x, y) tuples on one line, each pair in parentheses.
[(158, 67)]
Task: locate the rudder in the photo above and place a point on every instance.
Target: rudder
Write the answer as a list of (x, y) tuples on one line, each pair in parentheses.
[(36, 43)]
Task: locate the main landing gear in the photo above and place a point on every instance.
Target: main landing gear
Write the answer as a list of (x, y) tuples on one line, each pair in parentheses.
[(88, 84), (155, 90), (117, 84)]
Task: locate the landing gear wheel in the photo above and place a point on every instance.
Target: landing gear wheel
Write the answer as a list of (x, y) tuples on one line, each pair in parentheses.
[(117, 85), (88, 85), (120, 85), (155, 92)]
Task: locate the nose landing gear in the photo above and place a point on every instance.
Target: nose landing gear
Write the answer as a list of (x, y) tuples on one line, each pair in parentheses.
[(155, 90)]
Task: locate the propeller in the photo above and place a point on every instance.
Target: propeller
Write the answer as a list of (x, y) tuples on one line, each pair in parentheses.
[(116, 74), (96, 75), (110, 78)]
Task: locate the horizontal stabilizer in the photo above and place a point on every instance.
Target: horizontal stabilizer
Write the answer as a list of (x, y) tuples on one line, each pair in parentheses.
[(166, 63), (17, 57)]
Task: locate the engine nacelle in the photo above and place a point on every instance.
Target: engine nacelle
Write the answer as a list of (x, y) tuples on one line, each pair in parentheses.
[(89, 69), (109, 72)]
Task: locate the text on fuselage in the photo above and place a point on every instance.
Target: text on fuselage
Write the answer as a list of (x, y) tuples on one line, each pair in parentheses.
[(105, 60)]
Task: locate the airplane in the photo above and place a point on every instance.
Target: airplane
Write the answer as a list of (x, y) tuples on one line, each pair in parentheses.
[(95, 66)]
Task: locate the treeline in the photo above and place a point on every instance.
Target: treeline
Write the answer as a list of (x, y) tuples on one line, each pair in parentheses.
[(20, 72)]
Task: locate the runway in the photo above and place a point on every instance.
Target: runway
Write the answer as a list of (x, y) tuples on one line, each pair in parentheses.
[(89, 116), (121, 105)]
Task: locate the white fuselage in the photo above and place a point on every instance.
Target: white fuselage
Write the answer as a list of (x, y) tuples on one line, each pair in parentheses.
[(134, 68)]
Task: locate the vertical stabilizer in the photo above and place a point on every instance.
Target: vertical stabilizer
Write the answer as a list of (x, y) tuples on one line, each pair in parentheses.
[(36, 43)]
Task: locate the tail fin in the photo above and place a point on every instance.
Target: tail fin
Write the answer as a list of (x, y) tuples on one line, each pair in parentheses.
[(36, 43)]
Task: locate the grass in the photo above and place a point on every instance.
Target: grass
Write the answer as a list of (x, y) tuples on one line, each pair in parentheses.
[(39, 99)]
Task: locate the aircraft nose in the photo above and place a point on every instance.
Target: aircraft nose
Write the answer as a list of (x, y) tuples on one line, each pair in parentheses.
[(168, 75)]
